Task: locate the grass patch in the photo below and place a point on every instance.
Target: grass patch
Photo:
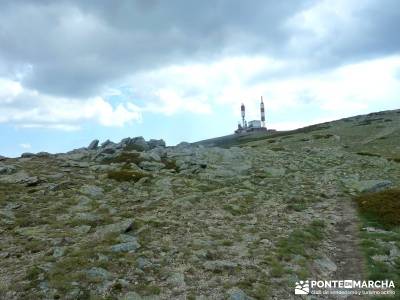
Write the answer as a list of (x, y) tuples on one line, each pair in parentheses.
[(170, 164), (368, 154), (322, 136), (301, 240), (126, 175), (125, 157), (381, 210), (382, 207), (395, 159), (278, 149)]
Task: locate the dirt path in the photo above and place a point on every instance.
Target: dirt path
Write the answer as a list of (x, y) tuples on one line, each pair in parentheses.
[(348, 256)]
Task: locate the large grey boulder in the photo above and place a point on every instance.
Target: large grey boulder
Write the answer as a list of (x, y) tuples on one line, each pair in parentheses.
[(125, 247), (156, 143), (107, 143), (27, 155), (139, 144), (93, 145), (20, 177), (151, 166), (7, 169)]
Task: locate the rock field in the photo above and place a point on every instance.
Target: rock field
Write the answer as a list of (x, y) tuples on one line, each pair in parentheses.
[(139, 220)]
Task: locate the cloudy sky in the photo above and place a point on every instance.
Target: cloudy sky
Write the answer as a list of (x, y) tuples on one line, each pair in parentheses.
[(72, 71)]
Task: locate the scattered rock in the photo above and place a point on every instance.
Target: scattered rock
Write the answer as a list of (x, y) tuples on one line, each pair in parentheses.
[(125, 247), (92, 191), (82, 229), (131, 296), (325, 265), (143, 263), (177, 280), (151, 166), (20, 177), (98, 273), (6, 170), (219, 265), (394, 252), (120, 227), (380, 258), (58, 252), (275, 172), (368, 186), (238, 294)]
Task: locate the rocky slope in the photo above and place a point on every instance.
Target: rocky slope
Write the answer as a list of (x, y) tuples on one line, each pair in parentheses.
[(138, 220)]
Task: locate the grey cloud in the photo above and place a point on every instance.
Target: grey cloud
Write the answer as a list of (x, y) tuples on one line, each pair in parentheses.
[(77, 47)]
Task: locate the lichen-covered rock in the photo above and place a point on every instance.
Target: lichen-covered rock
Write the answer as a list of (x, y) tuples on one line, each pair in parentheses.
[(93, 145)]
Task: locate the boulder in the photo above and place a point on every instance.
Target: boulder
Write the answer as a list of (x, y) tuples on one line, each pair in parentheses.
[(325, 265), (177, 280), (368, 186), (43, 154), (92, 191), (156, 143), (125, 247), (107, 143), (275, 172), (219, 265), (121, 227), (98, 273), (27, 155), (139, 144), (183, 145), (93, 145), (151, 166), (7, 169), (238, 294), (20, 177)]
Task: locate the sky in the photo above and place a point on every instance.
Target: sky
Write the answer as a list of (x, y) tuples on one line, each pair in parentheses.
[(73, 71)]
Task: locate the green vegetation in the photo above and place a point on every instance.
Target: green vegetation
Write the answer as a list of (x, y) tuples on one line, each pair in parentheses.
[(322, 136), (370, 121), (382, 207), (125, 157), (170, 164), (368, 154), (395, 159), (300, 240), (278, 149), (299, 246), (126, 175), (382, 211)]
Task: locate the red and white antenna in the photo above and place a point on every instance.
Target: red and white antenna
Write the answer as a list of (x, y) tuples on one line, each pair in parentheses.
[(242, 110), (262, 112)]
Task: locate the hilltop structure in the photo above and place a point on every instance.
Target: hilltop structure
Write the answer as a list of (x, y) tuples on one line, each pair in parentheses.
[(254, 125)]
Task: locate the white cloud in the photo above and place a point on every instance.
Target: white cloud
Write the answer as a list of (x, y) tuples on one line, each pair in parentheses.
[(199, 88), (25, 145), (28, 108)]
